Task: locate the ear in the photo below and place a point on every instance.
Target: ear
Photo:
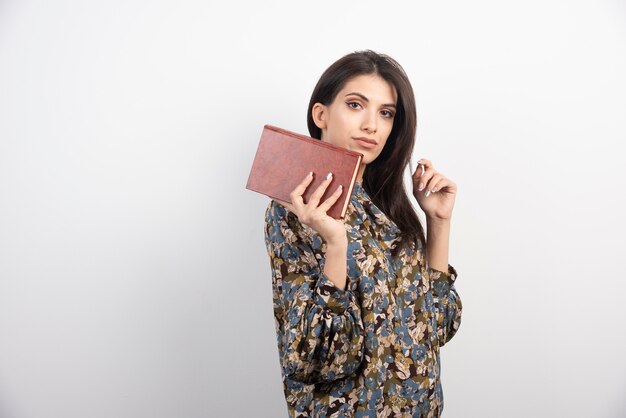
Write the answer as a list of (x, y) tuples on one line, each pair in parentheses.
[(319, 113)]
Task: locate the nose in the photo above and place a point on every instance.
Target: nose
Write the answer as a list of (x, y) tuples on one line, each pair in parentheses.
[(369, 123)]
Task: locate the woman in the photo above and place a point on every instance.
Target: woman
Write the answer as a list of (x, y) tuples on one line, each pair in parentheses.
[(362, 305)]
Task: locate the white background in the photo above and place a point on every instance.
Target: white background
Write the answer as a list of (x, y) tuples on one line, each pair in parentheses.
[(134, 280)]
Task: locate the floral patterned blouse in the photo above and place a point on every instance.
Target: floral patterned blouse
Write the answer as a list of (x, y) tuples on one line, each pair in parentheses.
[(371, 350)]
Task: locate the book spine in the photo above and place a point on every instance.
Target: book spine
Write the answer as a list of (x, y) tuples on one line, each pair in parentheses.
[(349, 191)]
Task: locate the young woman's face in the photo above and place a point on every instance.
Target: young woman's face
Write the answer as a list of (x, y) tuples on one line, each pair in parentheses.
[(360, 117)]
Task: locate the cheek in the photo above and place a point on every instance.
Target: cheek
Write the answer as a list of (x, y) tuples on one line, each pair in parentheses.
[(342, 126), (344, 120), (389, 126), (388, 132)]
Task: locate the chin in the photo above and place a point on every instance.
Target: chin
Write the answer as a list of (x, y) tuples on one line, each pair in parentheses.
[(368, 159), (370, 156)]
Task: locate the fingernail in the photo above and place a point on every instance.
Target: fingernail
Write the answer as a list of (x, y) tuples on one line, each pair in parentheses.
[(340, 187), (427, 193), (309, 175), (329, 176), (421, 187)]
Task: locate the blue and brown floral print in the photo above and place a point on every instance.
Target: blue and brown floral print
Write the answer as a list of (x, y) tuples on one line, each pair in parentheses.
[(371, 350)]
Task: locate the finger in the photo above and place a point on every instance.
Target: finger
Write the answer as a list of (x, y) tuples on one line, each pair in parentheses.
[(419, 171), (296, 193), (425, 178), (447, 184), (427, 163), (439, 184), (301, 187), (436, 177), (328, 203), (319, 192)]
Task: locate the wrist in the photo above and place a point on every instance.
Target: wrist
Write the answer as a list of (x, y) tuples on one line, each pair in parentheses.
[(339, 243), (433, 220)]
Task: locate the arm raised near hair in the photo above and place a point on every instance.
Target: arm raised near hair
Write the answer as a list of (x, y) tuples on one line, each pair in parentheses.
[(448, 306), (437, 242)]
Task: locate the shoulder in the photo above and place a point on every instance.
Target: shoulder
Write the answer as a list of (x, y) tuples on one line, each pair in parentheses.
[(283, 225), (277, 216)]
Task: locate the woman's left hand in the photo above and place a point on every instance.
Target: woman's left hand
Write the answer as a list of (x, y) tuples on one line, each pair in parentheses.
[(436, 197)]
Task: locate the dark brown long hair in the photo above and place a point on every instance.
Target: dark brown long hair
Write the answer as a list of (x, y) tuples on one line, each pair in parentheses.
[(383, 177)]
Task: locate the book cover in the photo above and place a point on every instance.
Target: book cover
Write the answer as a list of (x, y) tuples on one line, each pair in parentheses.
[(284, 158)]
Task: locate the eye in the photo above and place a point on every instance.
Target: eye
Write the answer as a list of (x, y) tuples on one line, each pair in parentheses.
[(353, 105), (387, 113)]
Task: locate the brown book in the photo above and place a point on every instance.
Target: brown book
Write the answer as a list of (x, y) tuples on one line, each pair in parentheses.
[(284, 158)]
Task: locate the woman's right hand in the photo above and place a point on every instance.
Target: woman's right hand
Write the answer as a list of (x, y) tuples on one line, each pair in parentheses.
[(314, 214)]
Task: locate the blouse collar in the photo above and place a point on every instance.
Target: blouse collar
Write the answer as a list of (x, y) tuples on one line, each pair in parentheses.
[(368, 209)]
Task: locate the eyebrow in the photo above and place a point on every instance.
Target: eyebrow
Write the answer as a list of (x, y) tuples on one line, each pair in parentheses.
[(367, 100)]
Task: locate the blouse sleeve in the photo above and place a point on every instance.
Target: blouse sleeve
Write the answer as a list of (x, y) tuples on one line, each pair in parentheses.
[(319, 329), (448, 305)]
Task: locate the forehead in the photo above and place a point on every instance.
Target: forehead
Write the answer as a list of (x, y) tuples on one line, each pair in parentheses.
[(372, 86)]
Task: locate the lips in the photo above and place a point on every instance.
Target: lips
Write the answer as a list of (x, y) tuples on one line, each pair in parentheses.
[(365, 142)]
